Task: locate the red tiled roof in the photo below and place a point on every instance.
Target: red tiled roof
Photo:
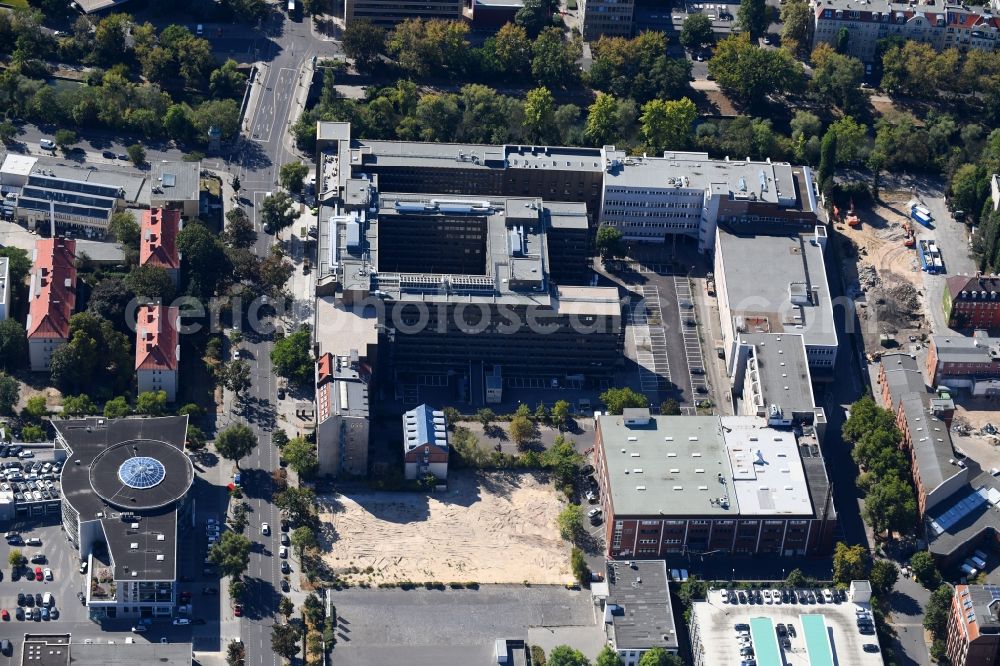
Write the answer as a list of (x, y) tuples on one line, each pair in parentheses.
[(53, 288), (156, 338), (324, 368), (158, 238)]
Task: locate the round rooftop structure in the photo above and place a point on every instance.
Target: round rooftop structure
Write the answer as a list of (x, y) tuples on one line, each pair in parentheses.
[(141, 474)]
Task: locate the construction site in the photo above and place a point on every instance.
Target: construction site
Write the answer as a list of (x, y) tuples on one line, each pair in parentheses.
[(882, 270)]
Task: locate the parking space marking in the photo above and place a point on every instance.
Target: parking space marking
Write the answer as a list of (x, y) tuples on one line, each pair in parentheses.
[(649, 340), (692, 340)]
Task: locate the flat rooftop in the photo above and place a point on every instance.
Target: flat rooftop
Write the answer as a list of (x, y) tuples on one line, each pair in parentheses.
[(177, 181), (340, 328), (704, 466), (822, 630), (473, 156), (961, 349), (115, 468), (61, 650), (782, 371), (637, 613), (764, 274), (903, 375), (136, 189), (968, 515)]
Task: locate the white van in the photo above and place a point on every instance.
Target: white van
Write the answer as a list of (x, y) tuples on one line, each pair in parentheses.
[(200, 30), (47, 144), (981, 555), (47, 600)]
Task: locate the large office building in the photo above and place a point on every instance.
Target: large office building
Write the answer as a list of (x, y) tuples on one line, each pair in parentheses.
[(655, 199), (388, 13), (775, 284), (125, 490), (157, 349), (678, 485), (606, 18), (974, 626), (51, 299), (943, 25), (972, 302)]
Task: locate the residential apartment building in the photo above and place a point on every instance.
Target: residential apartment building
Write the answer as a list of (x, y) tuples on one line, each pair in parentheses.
[(943, 26), (124, 499), (425, 443), (176, 185), (655, 199), (634, 599), (679, 485), (974, 626), (387, 13), (51, 299), (342, 414), (775, 284), (972, 302), (971, 363), (157, 349), (158, 231), (606, 18), (5, 288)]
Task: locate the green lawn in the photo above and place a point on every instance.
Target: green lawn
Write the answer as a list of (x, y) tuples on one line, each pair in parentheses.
[(15, 4)]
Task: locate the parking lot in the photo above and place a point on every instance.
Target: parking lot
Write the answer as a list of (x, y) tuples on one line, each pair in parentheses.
[(691, 331)]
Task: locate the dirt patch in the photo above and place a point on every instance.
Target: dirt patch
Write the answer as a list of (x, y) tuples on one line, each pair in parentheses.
[(487, 528), (885, 272)]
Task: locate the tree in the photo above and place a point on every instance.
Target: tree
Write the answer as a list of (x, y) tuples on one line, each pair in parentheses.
[(33, 433), (610, 242), (13, 344), (924, 569), (151, 403), (8, 131), (753, 17), (278, 211), (279, 438), (796, 579), (796, 27), (36, 407), (10, 391), (837, 79), (65, 138), (511, 49), (235, 442), (852, 140), (891, 506), (303, 538), (227, 80), (117, 408), (618, 399), (608, 657), (670, 407), (561, 413), (235, 376), (237, 590), (553, 62), (937, 610), (843, 35), (578, 564), (564, 655), (239, 231), (125, 229), (16, 559), (424, 47), (666, 124), (638, 68), (298, 502), (659, 657), (969, 188), (293, 175), (78, 405), (602, 120), (196, 439), (521, 429), (137, 154), (849, 563), (286, 607), (231, 553), (539, 120), (285, 640), (485, 416), (750, 74), (235, 653), (300, 455), (883, 577), (150, 283), (292, 356), (363, 42), (827, 158), (533, 16), (571, 522), (697, 31)]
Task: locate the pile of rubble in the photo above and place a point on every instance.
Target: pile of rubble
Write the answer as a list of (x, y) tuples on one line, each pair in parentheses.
[(868, 277), (903, 294), (988, 429)]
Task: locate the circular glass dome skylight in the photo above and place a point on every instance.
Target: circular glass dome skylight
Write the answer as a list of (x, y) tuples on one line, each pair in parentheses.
[(141, 472)]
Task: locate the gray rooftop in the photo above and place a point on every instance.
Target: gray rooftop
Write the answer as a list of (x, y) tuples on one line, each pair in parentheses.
[(961, 349), (902, 374), (567, 214), (985, 606), (474, 156), (967, 516), (931, 442), (144, 548), (179, 181), (61, 650), (763, 272), (136, 188), (638, 605), (782, 371)]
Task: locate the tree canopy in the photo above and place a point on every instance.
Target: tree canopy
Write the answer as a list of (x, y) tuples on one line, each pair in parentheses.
[(235, 442), (618, 399), (291, 356)]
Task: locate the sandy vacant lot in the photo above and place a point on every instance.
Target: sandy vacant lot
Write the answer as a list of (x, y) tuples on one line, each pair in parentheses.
[(487, 528)]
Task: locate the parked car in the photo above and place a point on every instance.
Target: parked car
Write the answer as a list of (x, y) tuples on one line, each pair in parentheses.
[(265, 529), (48, 573), (285, 568), (870, 647), (108, 154), (209, 590), (284, 539), (181, 621), (19, 613), (791, 630), (139, 629), (238, 610)]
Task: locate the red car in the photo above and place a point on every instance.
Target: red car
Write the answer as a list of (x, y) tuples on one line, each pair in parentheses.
[(38, 573), (238, 610), (5, 615)]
